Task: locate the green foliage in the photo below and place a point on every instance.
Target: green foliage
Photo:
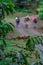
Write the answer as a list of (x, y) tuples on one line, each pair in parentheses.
[(6, 7), (2, 55), (30, 44), (37, 63), (26, 3), (32, 41), (20, 58), (41, 16), (8, 1), (40, 10), (41, 13), (39, 53), (17, 57), (31, 11), (5, 27)]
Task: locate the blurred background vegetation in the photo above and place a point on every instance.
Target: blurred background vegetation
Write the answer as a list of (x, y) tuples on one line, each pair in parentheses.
[(29, 6)]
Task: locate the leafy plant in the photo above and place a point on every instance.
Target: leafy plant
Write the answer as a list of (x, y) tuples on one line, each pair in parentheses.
[(37, 63), (20, 58), (2, 55), (5, 8), (39, 53), (41, 14), (32, 41), (40, 10)]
